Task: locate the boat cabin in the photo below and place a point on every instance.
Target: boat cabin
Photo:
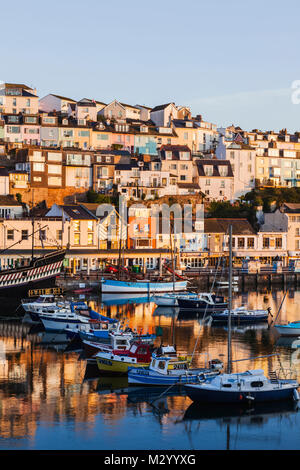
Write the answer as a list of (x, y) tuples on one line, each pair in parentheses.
[(211, 299), (251, 379), (161, 364), (141, 351), (121, 342)]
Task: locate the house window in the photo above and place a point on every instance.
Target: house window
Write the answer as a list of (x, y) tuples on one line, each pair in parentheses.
[(59, 234), (76, 225), (279, 242), (207, 182), (24, 235), (90, 225), (241, 242), (90, 239), (266, 242), (10, 234), (38, 167), (250, 243), (76, 238), (42, 234)]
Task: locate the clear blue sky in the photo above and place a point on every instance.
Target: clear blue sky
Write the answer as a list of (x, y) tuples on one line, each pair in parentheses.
[(232, 62)]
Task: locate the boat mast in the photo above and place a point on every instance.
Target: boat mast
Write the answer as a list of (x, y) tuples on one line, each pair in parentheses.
[(32, 222), (229, 360), (172, 252)]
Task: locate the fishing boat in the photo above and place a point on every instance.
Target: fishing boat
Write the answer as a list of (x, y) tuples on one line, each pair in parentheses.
[(165, 370), (116, 342), (117, 362), (246, 387), (110, 286), (203, 302), (57, 318), (241, 315), (34, 307)]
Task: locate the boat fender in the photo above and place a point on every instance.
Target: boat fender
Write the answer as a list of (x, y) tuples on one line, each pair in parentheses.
[(249, 397), (296, 395)]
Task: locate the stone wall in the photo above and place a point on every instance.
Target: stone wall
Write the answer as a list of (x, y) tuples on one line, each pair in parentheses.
[(51, 195)]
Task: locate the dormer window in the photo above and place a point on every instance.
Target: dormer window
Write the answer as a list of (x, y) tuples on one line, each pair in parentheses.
[(223, 170), (168, 155), (184, 155), (208, 170)]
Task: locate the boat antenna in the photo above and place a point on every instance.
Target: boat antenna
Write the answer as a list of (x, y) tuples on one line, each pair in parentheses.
[(229, 363)]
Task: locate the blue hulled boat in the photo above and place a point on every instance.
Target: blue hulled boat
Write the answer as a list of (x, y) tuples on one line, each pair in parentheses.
[(246, 387)]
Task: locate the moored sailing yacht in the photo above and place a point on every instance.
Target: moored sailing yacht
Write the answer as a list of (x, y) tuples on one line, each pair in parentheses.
[(249, 386)]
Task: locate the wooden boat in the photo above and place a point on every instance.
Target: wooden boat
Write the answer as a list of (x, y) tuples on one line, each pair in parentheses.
[(40, 272), (117, 362), (111, 286), (165, 371), (139, 355)]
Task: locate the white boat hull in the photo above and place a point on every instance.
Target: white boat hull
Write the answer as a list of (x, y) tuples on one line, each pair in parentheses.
[(111, 286)]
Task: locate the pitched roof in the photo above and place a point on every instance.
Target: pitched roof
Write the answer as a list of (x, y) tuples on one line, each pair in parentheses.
[(160, 107), (63, 98), (215, 164), (220, 225), (9, 201), (77, 211), (291, 207)]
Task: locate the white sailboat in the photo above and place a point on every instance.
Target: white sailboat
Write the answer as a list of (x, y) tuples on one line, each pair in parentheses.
[(244, 387)]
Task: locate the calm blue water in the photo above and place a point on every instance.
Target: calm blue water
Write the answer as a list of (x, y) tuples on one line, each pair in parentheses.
[(52, 400)]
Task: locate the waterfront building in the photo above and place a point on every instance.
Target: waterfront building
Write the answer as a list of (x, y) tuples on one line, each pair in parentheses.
[(52, 102), (163, 115), (285, 220), (242, 158), (215, 179), (18, 98)]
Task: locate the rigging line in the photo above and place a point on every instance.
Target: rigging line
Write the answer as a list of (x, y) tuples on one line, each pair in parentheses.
[(212, 286), (9, 247)]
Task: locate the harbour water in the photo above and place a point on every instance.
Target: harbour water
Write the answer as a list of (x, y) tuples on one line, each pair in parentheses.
[(51, 399)]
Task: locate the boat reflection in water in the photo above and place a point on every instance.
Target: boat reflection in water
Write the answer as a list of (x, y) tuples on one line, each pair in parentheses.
[(240, 424), (123, 299), (118, 385), (56, 341), (166, 312)]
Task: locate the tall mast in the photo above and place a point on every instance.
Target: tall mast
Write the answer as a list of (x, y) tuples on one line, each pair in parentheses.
[(32, 222), (172, 252), (229, 302)]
